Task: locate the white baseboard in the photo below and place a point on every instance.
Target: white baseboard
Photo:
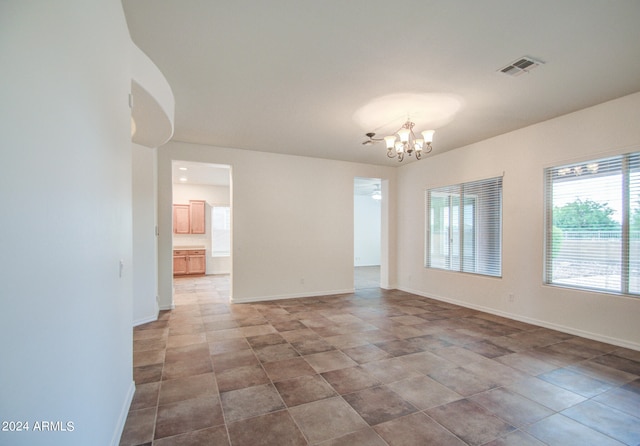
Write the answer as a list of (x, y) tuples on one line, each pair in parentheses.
[(171, 306), (563, 328), (122, 419), (290, 296), (151, 318), (145, 320)]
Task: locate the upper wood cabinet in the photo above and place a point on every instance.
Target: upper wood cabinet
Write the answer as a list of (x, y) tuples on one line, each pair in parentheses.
[(181, 219), (197, 217), (189, 218)]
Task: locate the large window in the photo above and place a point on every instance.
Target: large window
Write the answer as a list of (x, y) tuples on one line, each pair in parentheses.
[(593, 225), (220, 231), (464, 227)]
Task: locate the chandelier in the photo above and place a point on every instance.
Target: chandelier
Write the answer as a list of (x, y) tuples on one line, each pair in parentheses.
[(404, 142)]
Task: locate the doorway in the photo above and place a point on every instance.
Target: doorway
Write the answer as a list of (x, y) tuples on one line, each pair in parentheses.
[(367, 222), (207, 232)]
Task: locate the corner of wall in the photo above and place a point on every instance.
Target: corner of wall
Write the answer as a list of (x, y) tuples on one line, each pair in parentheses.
[(124, 412)]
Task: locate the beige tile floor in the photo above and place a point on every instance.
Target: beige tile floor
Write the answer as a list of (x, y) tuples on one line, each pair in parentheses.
[(371, 368)]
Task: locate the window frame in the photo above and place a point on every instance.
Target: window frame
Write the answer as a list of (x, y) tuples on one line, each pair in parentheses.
[(629, 165), (460, 260)]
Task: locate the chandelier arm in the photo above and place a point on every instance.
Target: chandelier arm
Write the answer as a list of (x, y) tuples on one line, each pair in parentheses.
[(391, 154), (371, 135)]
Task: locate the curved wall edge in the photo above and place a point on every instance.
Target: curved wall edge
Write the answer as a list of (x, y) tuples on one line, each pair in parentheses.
[(153, 102)]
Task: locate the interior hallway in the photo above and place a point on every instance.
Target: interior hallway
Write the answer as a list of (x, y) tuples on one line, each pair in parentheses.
[(366, 277), (371, 368)]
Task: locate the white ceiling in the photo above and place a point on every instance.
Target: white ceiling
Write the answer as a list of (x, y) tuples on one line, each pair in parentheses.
[(289, 76), (186, 172)]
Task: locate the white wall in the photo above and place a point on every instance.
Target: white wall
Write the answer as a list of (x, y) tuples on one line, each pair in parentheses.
[(212, 195), (145, 243), (366, 230), (65, 189), (292, 221), (522, 155)]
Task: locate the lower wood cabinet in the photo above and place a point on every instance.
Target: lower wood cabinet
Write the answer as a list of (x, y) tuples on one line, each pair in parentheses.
[(189, 262), (179, 263)]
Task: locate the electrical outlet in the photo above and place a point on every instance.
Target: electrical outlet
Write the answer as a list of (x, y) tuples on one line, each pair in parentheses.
[(512, 297)]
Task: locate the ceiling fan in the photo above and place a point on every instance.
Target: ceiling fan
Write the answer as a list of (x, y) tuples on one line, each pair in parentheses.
[(371, 139)]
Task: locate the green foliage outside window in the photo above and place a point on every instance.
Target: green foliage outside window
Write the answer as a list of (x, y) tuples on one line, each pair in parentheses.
[(584, 214)]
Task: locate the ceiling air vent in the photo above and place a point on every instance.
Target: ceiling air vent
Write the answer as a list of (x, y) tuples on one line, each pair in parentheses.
[(520, 66)]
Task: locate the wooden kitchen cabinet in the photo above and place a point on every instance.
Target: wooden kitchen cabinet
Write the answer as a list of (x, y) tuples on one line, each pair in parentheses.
[(179, 263), (197, 209), (189, 218), (189, 262), (181, 219), (196, 262)]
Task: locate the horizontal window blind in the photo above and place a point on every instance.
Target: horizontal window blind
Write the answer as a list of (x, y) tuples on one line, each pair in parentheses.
[(593, 224), (221, 231), (464, 227)]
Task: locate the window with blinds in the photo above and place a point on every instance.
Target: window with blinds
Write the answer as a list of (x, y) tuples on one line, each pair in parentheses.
[(464, 227), (593, 225), (220, 231)]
